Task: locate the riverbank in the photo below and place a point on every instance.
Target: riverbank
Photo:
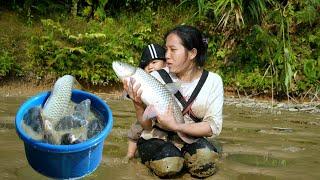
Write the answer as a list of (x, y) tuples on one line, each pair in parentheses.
[(26, 89)]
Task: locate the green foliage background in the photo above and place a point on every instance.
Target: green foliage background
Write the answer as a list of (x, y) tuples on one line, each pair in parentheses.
[(258, 47)]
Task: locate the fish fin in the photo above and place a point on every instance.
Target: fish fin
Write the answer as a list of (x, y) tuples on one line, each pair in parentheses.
[(49, 135), (47, 125), (149, 112), (186, 138), (77, 85), (173, 87)]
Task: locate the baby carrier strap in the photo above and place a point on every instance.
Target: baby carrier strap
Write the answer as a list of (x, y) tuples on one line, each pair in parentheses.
[(186, 105)]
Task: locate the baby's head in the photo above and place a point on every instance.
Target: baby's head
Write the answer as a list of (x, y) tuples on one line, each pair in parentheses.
[(153, 58)]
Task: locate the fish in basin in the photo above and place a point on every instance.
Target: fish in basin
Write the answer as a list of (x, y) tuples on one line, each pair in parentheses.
[(77, 119), (60, 121), (94, 127), (59, 102), (56, 107), (69, 138), (33, 119)]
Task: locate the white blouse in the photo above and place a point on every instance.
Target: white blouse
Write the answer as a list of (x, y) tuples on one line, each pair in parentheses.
[(208, 104)]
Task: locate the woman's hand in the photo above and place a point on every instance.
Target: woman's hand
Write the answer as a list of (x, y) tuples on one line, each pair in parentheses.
[(134, 92), (167, 121)]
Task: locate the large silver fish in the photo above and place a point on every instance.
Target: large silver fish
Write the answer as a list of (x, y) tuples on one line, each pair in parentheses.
[(58, 103), (154, 93), (56, 107)]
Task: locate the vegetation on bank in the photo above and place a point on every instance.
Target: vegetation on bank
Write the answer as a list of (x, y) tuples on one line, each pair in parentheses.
[(258, 47)]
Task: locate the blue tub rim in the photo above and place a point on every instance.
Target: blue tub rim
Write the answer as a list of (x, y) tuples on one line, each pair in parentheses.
[(62, 148)]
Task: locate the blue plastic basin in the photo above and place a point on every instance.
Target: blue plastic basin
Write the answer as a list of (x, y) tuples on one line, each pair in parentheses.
[(65, 161)]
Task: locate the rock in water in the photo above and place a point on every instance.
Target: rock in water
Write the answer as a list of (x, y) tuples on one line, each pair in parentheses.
[(33, 119)]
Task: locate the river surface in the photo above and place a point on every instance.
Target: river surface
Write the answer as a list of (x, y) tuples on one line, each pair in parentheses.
[(257, 144)]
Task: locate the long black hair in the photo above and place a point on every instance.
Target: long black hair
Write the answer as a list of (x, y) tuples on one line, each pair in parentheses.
[(191, 38)]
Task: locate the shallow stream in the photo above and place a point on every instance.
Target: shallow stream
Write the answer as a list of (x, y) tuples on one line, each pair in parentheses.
[(257, 144)]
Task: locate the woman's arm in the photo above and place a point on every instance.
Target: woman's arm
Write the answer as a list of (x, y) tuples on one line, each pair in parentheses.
[(199, 129), (214, 103), (135, 94), (212, 120)]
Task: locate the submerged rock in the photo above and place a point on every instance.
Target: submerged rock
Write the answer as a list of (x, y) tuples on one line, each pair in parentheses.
[(293, 149), (281, 129)]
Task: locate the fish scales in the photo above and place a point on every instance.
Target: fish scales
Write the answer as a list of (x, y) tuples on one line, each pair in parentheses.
[(155, 93), (58, 103)]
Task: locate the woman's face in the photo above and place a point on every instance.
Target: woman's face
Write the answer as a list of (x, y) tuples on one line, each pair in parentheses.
[(155, 65), (177, 56)]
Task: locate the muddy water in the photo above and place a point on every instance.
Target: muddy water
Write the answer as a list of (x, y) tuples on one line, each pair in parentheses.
[(256, 145)]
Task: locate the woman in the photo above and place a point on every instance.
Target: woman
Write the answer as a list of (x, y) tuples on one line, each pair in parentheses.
[(185, 56)]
